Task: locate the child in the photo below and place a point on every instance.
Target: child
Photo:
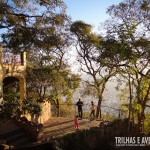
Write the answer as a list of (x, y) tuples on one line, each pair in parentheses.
[(76, 124)]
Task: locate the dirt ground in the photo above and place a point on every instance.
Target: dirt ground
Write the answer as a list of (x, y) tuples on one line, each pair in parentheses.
[(59, 126)]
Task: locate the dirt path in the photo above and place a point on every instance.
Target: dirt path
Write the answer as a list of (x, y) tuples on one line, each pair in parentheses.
[(56, 127)]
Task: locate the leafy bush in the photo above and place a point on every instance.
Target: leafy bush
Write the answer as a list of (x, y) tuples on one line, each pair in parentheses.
[(87, 139), (9, 107), (115, 122), (108, 117), (31, 106)]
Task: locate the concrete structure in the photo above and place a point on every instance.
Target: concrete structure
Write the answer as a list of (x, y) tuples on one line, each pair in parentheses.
[(45, 115), (13, 68)]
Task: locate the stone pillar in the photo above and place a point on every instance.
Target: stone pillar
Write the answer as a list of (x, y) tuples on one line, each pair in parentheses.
[(25, 59), (22, 88)]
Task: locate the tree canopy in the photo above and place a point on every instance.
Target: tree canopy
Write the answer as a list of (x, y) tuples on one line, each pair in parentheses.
[(32, 24), (129, 28), (42, 28), (90, 48)]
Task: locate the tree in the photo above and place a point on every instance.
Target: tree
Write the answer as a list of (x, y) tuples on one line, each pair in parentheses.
[(130, 28), (51, 83), (41, 28), (31, 24), (90, 49)]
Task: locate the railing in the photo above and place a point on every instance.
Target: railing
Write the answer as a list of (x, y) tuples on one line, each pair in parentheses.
[(70, 110)]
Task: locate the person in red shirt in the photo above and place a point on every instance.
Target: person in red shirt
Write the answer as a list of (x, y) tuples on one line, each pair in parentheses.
[(76, 124)]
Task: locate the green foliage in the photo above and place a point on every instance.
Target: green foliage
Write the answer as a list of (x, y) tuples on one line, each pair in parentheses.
[(84, 33), (9, 106), (136, 108), (67, 111), (147, 123), (49, 83), (81, 28), (108, 117), (84, 139), (115, 122), (31, 24), (115, 51), (90, 50), (31, 106), (133, 52), (124, 107), (12, 107), (41, 28)]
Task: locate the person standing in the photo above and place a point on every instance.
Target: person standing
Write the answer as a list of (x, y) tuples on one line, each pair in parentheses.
[(80, 111), (93, 107), (76, 124)]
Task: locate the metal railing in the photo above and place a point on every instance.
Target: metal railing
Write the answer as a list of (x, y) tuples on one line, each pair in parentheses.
[(70, 110)]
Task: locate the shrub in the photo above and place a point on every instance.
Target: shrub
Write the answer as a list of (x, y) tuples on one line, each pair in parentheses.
[(9, 107), (115, 122), (147, 123)]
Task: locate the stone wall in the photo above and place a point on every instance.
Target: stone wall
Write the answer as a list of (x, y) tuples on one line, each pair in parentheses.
[(46, 112), (19, 71), (45, 115), (13, 70)]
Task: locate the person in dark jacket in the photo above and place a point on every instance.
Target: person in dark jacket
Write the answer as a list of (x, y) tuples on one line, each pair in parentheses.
[(80, 111)]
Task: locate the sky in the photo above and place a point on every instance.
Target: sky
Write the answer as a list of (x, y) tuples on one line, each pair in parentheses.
[(90, 11)]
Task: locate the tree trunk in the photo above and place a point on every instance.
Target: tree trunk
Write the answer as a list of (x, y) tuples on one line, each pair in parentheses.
[(141, 116), (133, 122), (98, 111), (139, 122), (58, 108), (130, 104)]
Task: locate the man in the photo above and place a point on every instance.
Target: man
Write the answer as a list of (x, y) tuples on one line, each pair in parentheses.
[(80, 112), (93, 107)]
